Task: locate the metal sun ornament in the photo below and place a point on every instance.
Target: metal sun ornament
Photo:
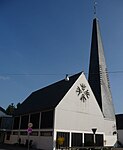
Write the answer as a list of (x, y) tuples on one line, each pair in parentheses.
[(83, 92)]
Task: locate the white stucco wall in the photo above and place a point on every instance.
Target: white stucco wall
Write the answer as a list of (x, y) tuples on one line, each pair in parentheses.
[(43, 142), (13, 139)]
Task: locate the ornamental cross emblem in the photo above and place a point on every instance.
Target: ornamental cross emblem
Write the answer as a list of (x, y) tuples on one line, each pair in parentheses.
[(83, 92)]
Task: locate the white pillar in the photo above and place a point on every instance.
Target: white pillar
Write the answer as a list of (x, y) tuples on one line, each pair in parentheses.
[(54, 140), (70, 140), (83, 138)]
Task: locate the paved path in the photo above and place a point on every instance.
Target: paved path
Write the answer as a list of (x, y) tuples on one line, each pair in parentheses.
[(13, 147)]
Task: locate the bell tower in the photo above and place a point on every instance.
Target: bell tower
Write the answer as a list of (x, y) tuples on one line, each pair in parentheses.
[(98, 74)]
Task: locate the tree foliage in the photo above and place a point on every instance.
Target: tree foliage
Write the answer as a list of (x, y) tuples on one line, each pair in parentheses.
[(10, 109)]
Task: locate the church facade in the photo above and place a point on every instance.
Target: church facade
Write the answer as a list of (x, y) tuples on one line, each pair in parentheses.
[(72, 113)]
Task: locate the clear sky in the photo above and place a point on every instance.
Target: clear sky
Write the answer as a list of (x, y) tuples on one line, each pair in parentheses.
[(42, 40)]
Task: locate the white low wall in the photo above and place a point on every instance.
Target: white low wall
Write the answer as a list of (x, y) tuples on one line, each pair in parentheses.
[(110, 140), (40, 142)]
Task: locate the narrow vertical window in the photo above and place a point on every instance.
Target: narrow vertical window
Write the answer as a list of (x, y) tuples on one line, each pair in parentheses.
[(16, 122), (47, 119), (62, 139), (76, 140), (34, 119), (24, 122)]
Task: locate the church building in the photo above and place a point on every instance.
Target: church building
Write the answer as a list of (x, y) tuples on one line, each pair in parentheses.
[(70, 113)]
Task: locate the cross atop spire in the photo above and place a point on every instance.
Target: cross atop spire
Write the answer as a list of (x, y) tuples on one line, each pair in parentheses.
[(95, 10)]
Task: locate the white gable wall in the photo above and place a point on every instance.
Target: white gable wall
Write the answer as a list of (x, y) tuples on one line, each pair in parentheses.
[(79, 113), (74, 114)]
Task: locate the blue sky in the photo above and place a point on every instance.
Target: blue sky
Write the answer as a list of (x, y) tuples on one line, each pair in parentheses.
[(42, 40)]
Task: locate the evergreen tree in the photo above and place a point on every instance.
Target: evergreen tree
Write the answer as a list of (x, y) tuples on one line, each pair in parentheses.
[(10, 109)]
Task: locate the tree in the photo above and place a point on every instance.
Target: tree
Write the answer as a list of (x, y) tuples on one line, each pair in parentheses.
[(10, 109)]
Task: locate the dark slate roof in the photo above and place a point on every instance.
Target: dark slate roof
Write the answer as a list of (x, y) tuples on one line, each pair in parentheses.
[(47, 97), (119, 121)]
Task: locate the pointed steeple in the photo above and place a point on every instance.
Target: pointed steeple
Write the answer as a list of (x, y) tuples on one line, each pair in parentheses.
[(98, 75)]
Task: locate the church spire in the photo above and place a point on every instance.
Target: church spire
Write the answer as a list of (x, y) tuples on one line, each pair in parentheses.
[(98, 75)]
